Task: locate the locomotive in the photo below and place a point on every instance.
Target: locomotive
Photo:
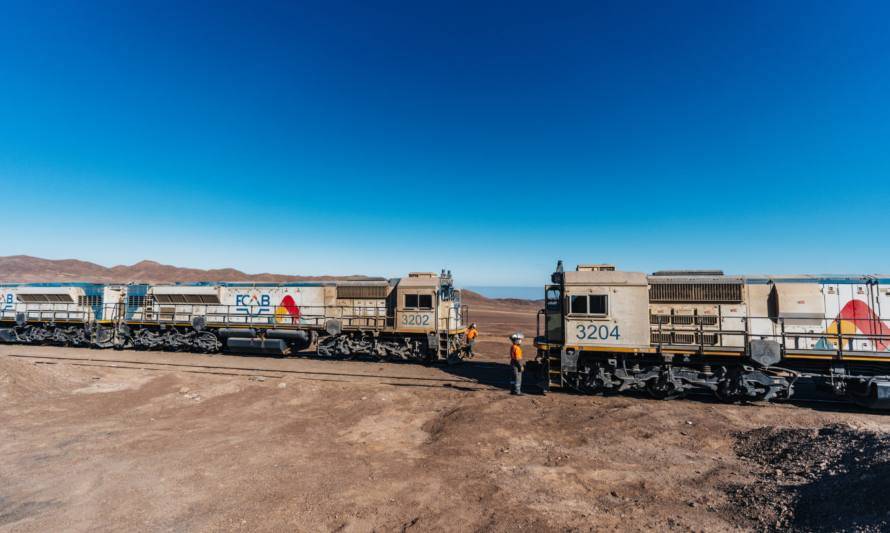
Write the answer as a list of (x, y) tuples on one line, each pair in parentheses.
[(419, 317), (744, 338)]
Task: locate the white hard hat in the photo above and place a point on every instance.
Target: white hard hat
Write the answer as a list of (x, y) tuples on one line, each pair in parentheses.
[(518, 336)]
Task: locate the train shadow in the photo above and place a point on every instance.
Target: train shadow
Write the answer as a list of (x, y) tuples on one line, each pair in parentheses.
[(489, 373), (500, 376), (496, 375)]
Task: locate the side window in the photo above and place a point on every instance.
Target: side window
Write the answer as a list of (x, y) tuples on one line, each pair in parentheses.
[(579, 305), (411, 300), (426, 301)]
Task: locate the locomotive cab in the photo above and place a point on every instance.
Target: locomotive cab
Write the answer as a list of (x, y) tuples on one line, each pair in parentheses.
[(605, 308), (415, 302), (426, 302)]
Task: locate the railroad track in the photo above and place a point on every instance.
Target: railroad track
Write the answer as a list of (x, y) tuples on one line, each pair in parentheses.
[(805, 399), (267, 373)]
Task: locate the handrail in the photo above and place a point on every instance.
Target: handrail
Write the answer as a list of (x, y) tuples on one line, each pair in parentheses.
[(352, 316)]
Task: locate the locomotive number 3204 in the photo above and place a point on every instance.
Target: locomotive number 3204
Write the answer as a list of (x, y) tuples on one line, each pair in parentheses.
[(597, 332)]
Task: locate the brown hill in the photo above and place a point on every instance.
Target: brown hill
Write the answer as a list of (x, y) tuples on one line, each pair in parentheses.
[(23, 268), (474, 298)]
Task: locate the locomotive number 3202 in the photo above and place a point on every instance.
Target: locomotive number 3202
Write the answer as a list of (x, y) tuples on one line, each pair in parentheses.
[(597, 332), (415, 320)]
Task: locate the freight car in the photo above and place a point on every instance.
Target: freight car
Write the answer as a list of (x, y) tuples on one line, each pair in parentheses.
[(744, 338), (419, 317)]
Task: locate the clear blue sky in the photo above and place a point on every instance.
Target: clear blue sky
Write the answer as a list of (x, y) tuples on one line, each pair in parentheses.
[(378, 138)]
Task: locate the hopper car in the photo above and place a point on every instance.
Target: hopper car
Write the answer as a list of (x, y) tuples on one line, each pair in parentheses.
[(418, 317), (743, 338)]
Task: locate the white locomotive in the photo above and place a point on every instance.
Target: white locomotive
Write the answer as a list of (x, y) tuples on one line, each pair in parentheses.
[(419, 317), (742, 337)]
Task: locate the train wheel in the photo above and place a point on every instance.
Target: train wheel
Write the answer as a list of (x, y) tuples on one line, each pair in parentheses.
[(663, 390), (207, 342), (589, 379), (103, 337)]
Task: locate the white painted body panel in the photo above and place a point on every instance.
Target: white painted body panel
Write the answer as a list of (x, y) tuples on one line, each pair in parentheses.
[(68, 309)]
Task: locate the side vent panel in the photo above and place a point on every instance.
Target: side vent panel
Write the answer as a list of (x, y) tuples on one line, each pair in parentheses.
[(361, 292), (696, 292)]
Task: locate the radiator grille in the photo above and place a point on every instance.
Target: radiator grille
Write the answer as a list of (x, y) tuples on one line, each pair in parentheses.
[(186, 298), (361, 292), (706, 320), (695, 292), (708, 339), (92, 299), (661, 338), (683, 320), (44, 298), (684, 338)]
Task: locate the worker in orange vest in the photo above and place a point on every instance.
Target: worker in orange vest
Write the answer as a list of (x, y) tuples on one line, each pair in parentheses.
[(472, 333), (516, 363)]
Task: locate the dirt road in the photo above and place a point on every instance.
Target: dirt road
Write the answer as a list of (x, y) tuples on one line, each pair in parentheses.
[(242, 443)]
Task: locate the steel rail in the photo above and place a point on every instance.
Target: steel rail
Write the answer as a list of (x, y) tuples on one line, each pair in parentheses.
[(250, 369)]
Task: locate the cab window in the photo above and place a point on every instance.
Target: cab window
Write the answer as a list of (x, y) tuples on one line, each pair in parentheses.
[(418, 301), (579, 305), (552, 299), (589, 304), (599, 305)]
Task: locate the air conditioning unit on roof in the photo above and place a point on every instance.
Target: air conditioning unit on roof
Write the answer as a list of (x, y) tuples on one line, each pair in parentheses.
[(602, 267)]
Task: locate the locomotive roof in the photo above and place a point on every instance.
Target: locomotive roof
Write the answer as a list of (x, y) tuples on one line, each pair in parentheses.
[(418, 282), (758, 279), (605, 277), (819, 278), (260, 284), (257, 284), (62, 284), (665, 279)]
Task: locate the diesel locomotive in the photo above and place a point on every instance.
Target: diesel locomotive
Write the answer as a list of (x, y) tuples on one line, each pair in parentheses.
[(744, 338), (419, 317)]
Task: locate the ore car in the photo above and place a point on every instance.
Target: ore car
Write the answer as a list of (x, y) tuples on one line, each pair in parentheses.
[(419, 317), (742, 337)]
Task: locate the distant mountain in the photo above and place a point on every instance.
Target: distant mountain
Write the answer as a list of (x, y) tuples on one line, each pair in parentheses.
[(23, 268), (474, 298)]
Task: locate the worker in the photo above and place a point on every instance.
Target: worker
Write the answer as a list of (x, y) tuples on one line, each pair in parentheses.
[(516, 363), (472, 333)]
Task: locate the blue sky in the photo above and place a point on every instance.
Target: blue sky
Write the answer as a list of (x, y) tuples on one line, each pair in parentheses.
[(379, 138)]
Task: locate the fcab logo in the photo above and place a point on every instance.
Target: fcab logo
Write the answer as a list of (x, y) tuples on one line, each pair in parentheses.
[(7, 301), (253, 304)]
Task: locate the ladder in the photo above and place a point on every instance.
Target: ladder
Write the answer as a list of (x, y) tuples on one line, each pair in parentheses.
[(553, 362)]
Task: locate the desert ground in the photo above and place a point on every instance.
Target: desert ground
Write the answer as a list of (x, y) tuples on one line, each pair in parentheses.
[(102, 440)]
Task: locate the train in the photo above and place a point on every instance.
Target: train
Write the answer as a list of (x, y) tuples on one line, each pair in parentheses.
[(742, 338), (416, 318), (669, 333)]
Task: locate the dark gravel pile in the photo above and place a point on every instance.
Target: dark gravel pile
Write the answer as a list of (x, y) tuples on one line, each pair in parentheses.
[(831, 479)]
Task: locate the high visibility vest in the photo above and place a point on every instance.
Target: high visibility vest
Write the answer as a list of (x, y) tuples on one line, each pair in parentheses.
[(515, 353), (471, 334)]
